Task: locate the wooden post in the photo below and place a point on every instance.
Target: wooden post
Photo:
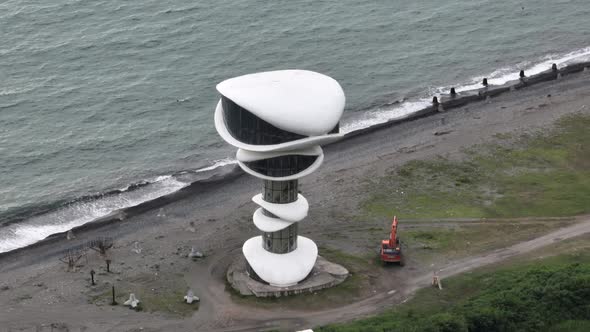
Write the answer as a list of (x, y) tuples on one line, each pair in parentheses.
[(108, 265), (114, 301), (92, 277), (436, 281)]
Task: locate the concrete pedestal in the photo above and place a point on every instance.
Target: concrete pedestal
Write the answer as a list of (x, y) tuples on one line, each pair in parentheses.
[(324, 274)]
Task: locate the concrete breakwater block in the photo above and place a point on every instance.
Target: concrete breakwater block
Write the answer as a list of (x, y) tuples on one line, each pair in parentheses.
[(324, 274)]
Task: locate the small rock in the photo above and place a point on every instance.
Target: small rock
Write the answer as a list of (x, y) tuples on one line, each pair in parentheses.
[(70, 235), (136, 248), (191, 227), (195, 254), (4, 288), (444, 132)]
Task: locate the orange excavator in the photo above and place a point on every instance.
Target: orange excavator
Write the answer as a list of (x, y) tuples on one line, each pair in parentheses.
[(391, 250)]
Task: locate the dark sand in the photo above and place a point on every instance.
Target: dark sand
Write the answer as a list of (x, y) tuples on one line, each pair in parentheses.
[(36, 291)]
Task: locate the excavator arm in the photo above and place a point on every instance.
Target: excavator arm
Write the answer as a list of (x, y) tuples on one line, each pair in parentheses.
[(393, 234)]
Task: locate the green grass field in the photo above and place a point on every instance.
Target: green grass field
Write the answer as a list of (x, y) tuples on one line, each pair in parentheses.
[(526, 294), (542, 174)]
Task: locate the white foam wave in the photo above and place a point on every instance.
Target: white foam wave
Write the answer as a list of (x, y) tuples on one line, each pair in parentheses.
[(217, 164), (511, 73), (8, 91), (162, 178), (124, 188), (384, 114), (497, 77), (79, 213)]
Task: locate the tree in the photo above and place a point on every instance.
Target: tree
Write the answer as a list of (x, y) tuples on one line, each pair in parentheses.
[(102, 245), (71, 256)]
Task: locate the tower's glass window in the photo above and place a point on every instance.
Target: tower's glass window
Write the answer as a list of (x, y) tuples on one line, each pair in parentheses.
[(280, 192), (282, 165), (250, 129), (283, 241)]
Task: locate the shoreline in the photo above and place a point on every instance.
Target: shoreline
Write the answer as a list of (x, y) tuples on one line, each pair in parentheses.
[(229, 172), (473, 96), (129, 212)]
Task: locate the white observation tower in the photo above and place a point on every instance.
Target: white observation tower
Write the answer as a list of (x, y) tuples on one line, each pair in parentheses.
[(278, 120)]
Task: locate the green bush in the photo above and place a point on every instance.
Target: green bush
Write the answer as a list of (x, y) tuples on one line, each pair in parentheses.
[(447, 322)]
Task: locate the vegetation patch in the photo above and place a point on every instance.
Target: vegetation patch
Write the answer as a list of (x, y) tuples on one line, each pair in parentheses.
[(164, 294), (427, 244), (550, 294), (542, 174)]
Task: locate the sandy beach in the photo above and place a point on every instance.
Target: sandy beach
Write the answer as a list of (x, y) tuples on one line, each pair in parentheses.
[(214, 217)]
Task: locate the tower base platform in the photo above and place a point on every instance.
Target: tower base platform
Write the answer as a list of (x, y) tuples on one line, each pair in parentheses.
[(324, 274)]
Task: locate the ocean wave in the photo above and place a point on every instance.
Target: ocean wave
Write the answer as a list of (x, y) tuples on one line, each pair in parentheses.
[(16, 90), (82, 211), (217, 164), (20, 213), (385, 113), (510, 73)]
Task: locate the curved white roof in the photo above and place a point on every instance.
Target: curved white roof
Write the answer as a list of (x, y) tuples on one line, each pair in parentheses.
[(294, 211), (281, 270), (300, 101), (297, 144)]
